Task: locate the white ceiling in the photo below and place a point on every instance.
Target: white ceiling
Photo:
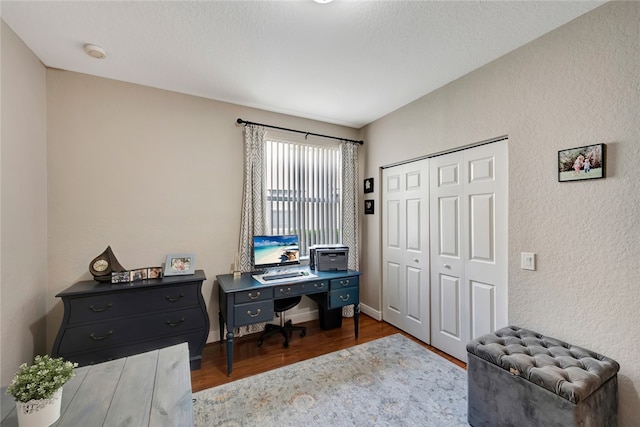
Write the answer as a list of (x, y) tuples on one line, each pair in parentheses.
[(345, 62)]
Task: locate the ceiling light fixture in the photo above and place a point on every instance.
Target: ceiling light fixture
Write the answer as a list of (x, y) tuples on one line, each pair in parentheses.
[(95, 51), (323, 1)]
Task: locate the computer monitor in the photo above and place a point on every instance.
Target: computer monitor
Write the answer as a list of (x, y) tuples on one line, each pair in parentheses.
[(275, 251)]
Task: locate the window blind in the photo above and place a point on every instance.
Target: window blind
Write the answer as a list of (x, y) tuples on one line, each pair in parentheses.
[(303, 192)]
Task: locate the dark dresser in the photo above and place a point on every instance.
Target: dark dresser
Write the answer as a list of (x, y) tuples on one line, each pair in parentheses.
[(104, 321)]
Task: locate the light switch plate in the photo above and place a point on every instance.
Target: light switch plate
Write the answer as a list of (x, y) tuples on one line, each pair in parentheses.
[(528, 261)]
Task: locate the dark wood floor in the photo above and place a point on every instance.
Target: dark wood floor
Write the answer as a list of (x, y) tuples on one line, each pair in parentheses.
[(249, 359)]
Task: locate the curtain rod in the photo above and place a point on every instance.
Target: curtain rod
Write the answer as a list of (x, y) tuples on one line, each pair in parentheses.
[(244, 122)]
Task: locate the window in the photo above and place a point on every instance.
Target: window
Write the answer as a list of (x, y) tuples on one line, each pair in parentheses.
[(304, 192)]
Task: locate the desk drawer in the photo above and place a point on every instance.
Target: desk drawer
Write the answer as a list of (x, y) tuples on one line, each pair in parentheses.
[(255, 312), (98, 308), (253, 295), (126, 331), (343, 297), (344, 282)]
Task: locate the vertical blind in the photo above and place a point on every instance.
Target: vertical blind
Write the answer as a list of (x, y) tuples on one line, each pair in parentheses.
[(303, 192)]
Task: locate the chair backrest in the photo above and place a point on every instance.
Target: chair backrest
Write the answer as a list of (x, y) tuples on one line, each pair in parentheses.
[(285, 304)]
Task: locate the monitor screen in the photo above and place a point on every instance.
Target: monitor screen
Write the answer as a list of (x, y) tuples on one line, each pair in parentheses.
[(275, 251)]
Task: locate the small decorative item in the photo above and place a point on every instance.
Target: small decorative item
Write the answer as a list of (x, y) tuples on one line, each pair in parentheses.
[(37, 390), (368, 207), (136, 275), (578, 164), (179, 264), (368, 185), (103, 265)]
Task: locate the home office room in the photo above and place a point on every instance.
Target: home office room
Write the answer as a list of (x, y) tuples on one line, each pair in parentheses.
[(96, 154)]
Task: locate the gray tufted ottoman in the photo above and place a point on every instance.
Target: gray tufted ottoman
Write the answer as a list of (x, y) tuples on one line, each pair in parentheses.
[(518, 377)]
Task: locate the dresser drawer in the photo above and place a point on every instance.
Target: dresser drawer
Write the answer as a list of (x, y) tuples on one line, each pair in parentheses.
[(126, 331), (343, 297), (253, 295), (344, 282), (255, 312), (194, 339), (96, 308)]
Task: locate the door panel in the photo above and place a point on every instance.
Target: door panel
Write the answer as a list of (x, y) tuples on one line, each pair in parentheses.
[(469, 260), (405, 243)]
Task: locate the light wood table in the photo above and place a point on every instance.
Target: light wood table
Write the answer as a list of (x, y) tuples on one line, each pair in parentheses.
[(147, 389)]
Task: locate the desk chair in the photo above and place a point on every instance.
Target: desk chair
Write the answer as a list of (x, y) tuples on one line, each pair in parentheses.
[(285, 328)]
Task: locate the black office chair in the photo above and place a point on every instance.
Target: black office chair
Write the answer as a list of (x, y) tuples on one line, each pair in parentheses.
[(285, 328)]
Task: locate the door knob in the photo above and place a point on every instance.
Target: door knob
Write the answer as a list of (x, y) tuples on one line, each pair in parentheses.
[(447, 266)]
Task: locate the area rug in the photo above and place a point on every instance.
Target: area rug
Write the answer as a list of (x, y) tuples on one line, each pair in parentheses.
[(391, 381)]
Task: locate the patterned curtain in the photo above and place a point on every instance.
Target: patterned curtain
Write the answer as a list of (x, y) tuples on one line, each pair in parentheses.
[(253, 205), (350, 232)]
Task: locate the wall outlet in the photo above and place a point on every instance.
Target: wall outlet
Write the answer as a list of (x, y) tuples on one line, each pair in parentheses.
[(528, 261)]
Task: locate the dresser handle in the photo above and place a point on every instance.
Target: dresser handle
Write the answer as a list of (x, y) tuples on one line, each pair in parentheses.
[(251, 296), (319, 285), (345, 298), (170, 299), (344, 282), (282, 291), (176, 323), (95, 338), (98, 310), (253, 315)]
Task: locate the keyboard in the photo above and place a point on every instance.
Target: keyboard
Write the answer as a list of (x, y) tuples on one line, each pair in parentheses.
[(282, 275)]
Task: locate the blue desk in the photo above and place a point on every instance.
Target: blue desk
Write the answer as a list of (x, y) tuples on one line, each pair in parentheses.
[(245, 301)]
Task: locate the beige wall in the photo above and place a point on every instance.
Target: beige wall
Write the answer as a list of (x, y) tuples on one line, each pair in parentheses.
[(148, 172), (23, 201), (578, 85)]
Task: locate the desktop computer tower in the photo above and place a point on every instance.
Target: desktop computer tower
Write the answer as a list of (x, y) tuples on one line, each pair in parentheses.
[(328, 257)]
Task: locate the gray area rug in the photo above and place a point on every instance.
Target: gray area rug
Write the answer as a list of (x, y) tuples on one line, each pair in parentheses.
[(391, 381)]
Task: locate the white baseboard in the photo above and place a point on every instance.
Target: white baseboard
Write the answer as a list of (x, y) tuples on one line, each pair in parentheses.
[(375, 314)]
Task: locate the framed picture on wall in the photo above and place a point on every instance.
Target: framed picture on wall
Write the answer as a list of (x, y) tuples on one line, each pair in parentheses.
[(369, 206), (581, 163), (179, 264), (368, 185)]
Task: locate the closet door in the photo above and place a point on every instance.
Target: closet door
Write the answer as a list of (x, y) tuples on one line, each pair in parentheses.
[(469, 207), (405, 254)]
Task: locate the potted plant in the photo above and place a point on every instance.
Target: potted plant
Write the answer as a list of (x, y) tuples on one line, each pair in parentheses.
[(37, 389)]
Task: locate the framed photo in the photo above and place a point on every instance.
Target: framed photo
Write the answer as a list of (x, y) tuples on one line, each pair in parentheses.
[(120, 276), (369, 206), (154, 273), (368, 185), (581, 163), (178, 264), (139, 274)]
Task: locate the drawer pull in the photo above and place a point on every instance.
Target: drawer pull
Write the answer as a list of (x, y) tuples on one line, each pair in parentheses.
[(346, 298), (256, 296), (253, 315), (319, 285), (172, 324), (95, 338), (282, 291), (98, 310), (171, 299), (344, 282)]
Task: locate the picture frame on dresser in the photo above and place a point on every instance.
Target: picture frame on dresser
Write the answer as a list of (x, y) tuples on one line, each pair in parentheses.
[(179, 264)]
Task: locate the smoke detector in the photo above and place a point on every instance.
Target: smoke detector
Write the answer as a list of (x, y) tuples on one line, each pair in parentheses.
[(95, 51)]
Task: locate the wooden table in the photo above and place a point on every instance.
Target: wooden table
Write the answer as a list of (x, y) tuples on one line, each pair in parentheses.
[(147, 389)]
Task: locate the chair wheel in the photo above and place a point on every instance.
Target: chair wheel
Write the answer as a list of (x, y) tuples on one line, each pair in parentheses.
[(259, 342), (285, 345), (303, 333)]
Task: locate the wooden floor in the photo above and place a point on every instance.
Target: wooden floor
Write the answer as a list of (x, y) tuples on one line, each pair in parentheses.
[(249, 359)]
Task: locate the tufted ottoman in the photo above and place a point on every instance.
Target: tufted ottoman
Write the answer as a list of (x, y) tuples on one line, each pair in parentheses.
[(518, 377)]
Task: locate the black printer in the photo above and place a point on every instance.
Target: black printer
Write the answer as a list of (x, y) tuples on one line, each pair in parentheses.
[(328, 257)]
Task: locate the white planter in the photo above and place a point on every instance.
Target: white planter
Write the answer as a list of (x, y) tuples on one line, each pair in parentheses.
[(40, 412)]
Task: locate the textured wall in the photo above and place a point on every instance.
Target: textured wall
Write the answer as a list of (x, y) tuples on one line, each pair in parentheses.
[(578, 85), (24, 205), (149, 172)]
